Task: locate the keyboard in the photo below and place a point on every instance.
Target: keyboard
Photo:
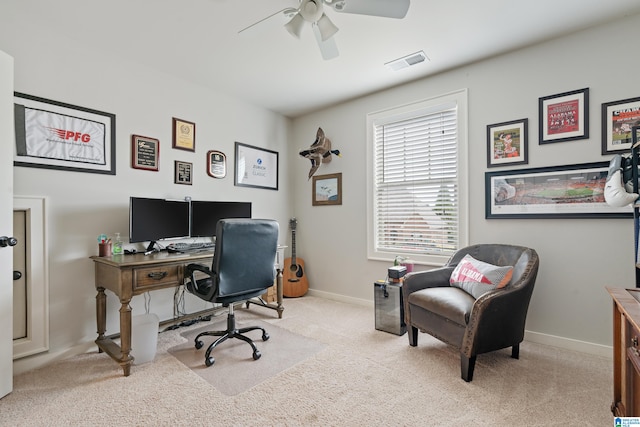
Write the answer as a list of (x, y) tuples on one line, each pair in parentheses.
[(189, 247)]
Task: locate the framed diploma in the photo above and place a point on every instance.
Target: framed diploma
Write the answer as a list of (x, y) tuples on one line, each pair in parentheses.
[(183, 172), (145, 153), (184, 135), (216, 164)]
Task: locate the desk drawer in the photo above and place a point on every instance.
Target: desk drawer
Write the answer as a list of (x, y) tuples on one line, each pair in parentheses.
[(156, 277)]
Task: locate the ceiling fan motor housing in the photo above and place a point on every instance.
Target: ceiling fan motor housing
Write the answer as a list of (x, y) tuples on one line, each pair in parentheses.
[(311, 10)]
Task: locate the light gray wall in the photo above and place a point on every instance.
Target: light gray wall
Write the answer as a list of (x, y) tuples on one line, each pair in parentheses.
[(81, 205), (578, 256)]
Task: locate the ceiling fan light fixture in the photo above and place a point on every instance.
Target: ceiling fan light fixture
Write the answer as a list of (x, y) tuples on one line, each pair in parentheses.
[(326, 27), (295, 25)]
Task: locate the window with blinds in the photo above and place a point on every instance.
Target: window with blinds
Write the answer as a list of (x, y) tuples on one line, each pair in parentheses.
[(416, 181)]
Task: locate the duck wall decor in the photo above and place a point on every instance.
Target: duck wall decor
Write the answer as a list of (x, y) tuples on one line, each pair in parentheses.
[(320, 152)]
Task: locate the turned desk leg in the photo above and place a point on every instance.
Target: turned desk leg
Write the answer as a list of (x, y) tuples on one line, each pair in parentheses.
[(280, 308), (126, 360), (101, 314)]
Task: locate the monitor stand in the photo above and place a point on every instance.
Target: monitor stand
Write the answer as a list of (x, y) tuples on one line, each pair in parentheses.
[(151, 247)]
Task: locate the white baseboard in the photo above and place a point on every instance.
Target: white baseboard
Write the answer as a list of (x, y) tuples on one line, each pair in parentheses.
[(569, 344), (536, 337), (37, 361), (30, 363), (340, 298)]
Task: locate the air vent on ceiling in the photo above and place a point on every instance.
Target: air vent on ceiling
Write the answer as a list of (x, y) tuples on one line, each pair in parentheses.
[(407, 61)]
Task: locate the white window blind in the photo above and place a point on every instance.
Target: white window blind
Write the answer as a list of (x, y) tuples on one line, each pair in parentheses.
[(416, 197)]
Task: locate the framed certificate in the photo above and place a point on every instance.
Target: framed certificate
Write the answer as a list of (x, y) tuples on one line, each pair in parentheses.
[(145, 153), (256, 167), (183, 173), (184, 135)]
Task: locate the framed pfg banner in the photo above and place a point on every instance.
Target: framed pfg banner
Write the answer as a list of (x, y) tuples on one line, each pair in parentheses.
[(55, 135)]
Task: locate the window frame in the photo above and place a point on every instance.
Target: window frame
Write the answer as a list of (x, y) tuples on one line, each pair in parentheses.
[(418, 108)]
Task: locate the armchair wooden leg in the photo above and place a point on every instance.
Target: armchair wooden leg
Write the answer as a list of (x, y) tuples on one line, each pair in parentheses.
[(413, 336), (466, 366), (515, 351)]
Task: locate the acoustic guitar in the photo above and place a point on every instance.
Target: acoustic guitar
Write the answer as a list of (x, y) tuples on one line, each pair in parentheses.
[(294, 281)]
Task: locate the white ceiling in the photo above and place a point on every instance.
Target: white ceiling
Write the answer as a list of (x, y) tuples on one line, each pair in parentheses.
[(199, 40)]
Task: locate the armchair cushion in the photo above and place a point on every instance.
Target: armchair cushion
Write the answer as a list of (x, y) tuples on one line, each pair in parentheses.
[(477, 278)]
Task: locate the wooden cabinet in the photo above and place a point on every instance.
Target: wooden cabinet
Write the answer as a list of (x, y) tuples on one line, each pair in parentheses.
[(626, 352)]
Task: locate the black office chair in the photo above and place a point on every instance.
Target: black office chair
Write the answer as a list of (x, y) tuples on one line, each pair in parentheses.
[(243, 268)]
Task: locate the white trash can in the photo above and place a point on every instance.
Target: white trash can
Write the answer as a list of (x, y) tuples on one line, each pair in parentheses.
[(144, 337)]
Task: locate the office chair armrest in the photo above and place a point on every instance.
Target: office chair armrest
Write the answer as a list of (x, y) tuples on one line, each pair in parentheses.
[(192, 268), (190, 271)]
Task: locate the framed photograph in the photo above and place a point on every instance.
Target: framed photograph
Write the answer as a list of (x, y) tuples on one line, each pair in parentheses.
[(508, 143), (571, 191), (55, 135), (256, 167), (183, 172), (184, 135), (145, 153), (327, 190), (618, 117), (216, 164), (564, 117)]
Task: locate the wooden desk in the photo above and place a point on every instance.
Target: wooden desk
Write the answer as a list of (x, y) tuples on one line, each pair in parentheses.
[(626, 352), (130, 275)]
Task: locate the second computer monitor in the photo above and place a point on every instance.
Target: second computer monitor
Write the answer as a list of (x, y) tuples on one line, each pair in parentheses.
[(206, 214)]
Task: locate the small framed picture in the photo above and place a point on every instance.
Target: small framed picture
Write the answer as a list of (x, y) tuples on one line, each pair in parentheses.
[(145, 153), (184, 135), (618, 118), (216, 164), (183, 172), (507, 143), (327, 190), (564, 117)]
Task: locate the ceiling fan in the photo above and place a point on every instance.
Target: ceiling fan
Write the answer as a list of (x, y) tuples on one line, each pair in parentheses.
[(312, 12)]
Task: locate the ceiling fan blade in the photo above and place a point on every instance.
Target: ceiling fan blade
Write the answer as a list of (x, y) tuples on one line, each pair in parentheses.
[(328, 48), (287, 11), (384, 8)]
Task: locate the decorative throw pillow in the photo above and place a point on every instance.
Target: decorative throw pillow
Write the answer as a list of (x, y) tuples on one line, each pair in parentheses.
[(477, 277)]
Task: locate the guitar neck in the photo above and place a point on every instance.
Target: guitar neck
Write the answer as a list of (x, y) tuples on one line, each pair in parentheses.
[(293, 247)]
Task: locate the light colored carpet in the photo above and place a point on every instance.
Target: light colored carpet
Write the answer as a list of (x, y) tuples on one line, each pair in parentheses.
[(234, 370), (363, 377)]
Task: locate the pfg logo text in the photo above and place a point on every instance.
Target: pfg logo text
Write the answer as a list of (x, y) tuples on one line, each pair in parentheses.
[(71, 135)]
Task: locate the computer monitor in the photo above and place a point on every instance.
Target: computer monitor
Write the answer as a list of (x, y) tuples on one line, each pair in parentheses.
[(157, 219), (206, 214)]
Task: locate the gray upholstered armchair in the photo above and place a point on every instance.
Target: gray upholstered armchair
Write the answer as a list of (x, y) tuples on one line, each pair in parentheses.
[(491, 322)]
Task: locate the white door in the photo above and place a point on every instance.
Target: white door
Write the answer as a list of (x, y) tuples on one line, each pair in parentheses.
[(6, 223)]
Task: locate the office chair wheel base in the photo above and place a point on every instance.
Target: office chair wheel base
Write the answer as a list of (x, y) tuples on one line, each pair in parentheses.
[(199, 345), (256, 355), (265, 336), (209, 361)]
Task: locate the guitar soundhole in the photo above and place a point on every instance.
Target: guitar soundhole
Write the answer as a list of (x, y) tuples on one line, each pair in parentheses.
[(295, 268)]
